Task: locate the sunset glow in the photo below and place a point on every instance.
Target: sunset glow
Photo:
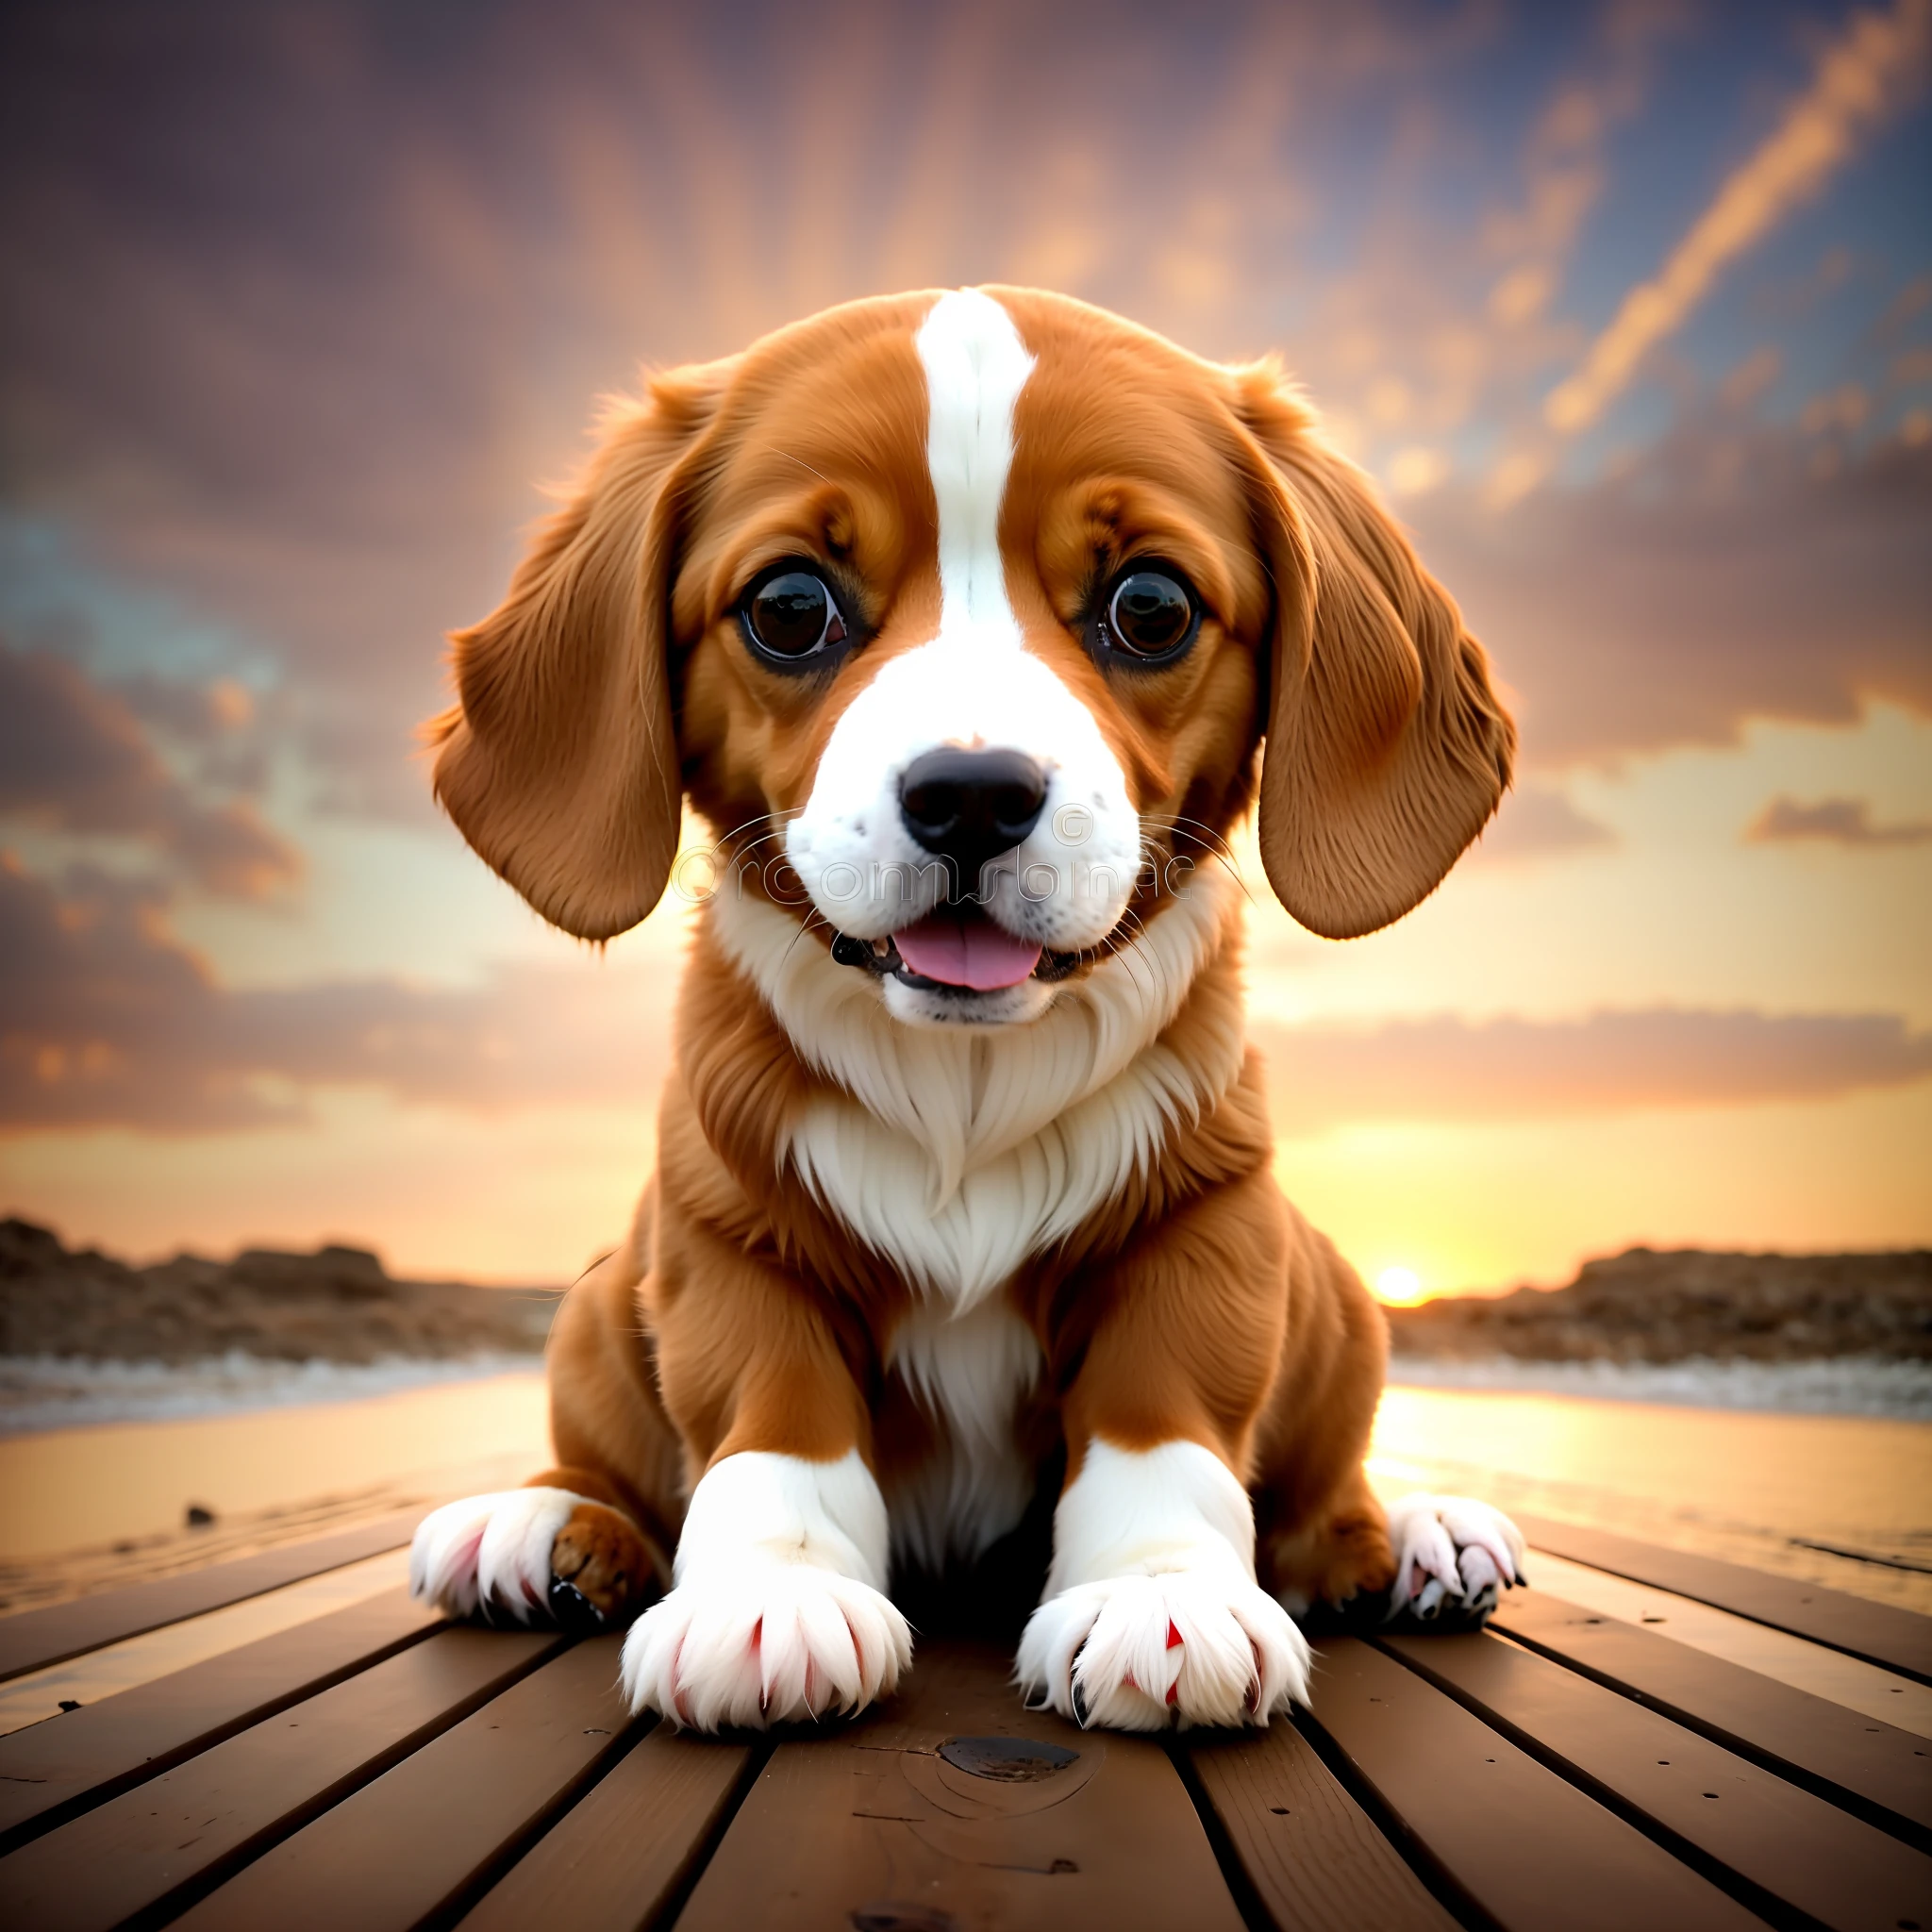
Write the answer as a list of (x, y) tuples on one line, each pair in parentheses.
[(1399, 1286), (1652, 401)]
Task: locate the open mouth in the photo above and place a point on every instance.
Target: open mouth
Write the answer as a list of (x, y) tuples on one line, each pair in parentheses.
[(956, 949)]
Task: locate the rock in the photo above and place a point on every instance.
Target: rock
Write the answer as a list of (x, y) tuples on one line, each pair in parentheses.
[(338, 1304), (1651, 1306)]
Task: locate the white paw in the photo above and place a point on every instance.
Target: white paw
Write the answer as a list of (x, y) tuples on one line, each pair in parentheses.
[(492, 1550), (764, 1641), (1451, 1551), (1139, 1653)]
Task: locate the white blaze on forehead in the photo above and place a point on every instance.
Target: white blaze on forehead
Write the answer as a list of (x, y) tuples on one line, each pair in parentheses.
[(976, 367), (972, 683)]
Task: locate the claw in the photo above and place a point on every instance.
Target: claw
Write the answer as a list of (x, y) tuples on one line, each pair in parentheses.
[(1456, 1558), (574, 1612), (1109, 1633)]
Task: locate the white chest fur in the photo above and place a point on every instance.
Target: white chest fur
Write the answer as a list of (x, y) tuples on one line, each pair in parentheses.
[(957, 1153), (969, 1373)]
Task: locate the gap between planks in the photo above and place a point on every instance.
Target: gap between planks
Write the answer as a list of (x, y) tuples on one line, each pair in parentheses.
[(1767, 1840)]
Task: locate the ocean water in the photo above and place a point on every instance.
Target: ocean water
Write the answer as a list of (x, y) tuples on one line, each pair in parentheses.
[(1848, 1385), (42, 1393), (85, 1509), (1844, 1499)]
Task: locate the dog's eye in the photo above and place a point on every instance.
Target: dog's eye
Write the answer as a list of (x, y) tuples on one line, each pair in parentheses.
[(1150, 615), (792, 615)]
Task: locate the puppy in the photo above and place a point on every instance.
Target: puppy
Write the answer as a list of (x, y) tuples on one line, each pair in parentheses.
[(969, 624)]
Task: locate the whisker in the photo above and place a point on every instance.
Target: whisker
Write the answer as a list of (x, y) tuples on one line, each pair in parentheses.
[(747, 845), (1126, 954), (744, 846), (790, 811), (1218, 848), (799, 461), (805, 927), (1205, 835), (1197, 829)]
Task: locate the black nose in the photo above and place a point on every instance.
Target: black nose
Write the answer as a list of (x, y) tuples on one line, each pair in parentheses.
[(967, 806)]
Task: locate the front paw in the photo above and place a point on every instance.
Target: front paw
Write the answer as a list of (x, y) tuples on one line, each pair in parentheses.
[(1187, 1647), (1452, 1556), (764, 1643), (534, 1553)]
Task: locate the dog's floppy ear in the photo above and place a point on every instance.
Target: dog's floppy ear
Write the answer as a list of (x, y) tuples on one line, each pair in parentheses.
[(1386, 749), (559, 760)]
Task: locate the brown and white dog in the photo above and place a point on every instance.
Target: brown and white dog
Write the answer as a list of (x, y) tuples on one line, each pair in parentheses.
[(971, 623)]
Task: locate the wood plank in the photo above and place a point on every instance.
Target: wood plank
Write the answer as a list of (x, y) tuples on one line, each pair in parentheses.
[(157, 1848), (1781, 1843), (620, 1857), (1314, 1858), (1884, 1634), (1892, 1698), (51, 1771), (872, 1827), (1529, 1849), (1882, 1772), (31, 1639), (428, 1833)]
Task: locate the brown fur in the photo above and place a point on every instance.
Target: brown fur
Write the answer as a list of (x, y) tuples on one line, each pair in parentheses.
[(1198, 1304)]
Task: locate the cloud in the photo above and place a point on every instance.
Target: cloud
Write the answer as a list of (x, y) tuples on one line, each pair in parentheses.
[(1834, 820), (301, 303), (1612, 1063), (74, 759), (107, 1020), (1725, 575), (301, 374), (1862, 80), (1537, 823), (1565, 171)]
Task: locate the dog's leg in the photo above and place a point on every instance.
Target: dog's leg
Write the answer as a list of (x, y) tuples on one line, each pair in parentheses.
[(1152, 1614), (586, 1543), (778, 1610), (1332, 1557), (1328, 1548), (1438, 1561), (563, 1548)]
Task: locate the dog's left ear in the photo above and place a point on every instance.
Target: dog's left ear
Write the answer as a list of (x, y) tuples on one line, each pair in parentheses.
[(559, 764), (1387, 747)]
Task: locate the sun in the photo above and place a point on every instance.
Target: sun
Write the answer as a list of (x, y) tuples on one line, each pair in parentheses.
[(1398, 1284)]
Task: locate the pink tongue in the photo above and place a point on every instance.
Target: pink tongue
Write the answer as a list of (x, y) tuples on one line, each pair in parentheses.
[(970, 951)]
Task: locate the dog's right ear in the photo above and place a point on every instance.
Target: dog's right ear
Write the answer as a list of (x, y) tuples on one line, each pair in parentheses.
[(559, 762), (1388, 746)]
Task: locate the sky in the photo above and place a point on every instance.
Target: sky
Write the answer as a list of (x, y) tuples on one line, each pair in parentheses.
[(1628, 307)]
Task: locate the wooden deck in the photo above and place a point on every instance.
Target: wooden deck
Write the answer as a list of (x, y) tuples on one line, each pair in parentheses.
[(373, 1768)]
